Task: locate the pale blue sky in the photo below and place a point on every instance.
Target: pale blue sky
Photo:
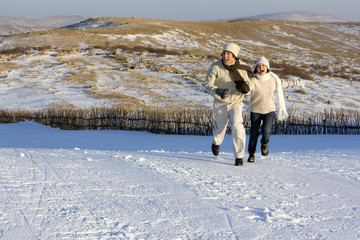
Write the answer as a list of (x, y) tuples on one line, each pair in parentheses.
[(187, 10)]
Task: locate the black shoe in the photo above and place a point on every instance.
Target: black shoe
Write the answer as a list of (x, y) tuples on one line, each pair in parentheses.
[(264, 149), (238, 162), (251, 157), (215, 149)]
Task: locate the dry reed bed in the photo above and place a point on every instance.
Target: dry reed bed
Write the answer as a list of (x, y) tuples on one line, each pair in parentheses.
[(178, 120)]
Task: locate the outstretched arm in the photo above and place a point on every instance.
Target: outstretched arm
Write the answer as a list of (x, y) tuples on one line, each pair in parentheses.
[(292, 83)]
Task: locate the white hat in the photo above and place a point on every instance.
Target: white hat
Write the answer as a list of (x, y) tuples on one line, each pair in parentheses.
[(263, 60), (233, 48)]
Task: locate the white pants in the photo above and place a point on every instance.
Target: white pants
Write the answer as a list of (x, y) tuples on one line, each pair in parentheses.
[(230, 114)]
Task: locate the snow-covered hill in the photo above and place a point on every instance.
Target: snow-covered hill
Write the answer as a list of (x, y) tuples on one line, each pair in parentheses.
[(15, 25), (301, 16), (147, 62)]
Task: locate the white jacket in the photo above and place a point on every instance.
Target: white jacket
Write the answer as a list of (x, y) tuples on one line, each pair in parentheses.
[(219, 77), (262, 99)]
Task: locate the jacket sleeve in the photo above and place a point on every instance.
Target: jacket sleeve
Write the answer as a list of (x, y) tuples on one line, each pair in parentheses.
[(292, 83), (211, 76)]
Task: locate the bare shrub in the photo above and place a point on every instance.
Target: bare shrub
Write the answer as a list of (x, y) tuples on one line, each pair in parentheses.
[(287, 69), (161, 52), (318, 67), (212, 56), (13, 51), (139, 49), (341, 72), (356, 71), (186, 52), (122, 47), (300, 91), (324, 73), (9, 65), (343, 75), (119, 57), (174, 52), (22, 50)]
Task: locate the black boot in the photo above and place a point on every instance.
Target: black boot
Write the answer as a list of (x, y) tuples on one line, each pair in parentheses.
[(264, 149), (251, 157), (215, 149), (238, 162)]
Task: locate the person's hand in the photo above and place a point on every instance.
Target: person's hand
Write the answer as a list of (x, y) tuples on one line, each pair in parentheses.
[(282, 115), (222, 92), (300, 83)]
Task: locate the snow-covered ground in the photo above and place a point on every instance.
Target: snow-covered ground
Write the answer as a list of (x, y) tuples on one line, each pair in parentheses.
[(58, 184)]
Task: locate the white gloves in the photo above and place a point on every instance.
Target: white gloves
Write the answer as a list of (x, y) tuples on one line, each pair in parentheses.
[(299, 82), (282, 115)]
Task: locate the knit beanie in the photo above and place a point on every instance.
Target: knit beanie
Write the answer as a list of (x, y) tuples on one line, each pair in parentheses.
[(263, 60), (233, 48)]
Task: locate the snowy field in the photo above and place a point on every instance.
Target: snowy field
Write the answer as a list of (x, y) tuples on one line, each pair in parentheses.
[(59, 184)]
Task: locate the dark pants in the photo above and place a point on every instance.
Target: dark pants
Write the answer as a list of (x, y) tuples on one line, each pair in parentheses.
[(267, 122)]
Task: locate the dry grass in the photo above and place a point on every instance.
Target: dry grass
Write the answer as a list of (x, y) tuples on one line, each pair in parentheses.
[(6, 67), (283, 70), (82, 78), (300, 91), (117, 97), (338, 71)]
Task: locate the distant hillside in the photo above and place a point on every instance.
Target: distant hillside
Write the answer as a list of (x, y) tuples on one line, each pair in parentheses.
[(15, 25), (139, 63), (300, 16)]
